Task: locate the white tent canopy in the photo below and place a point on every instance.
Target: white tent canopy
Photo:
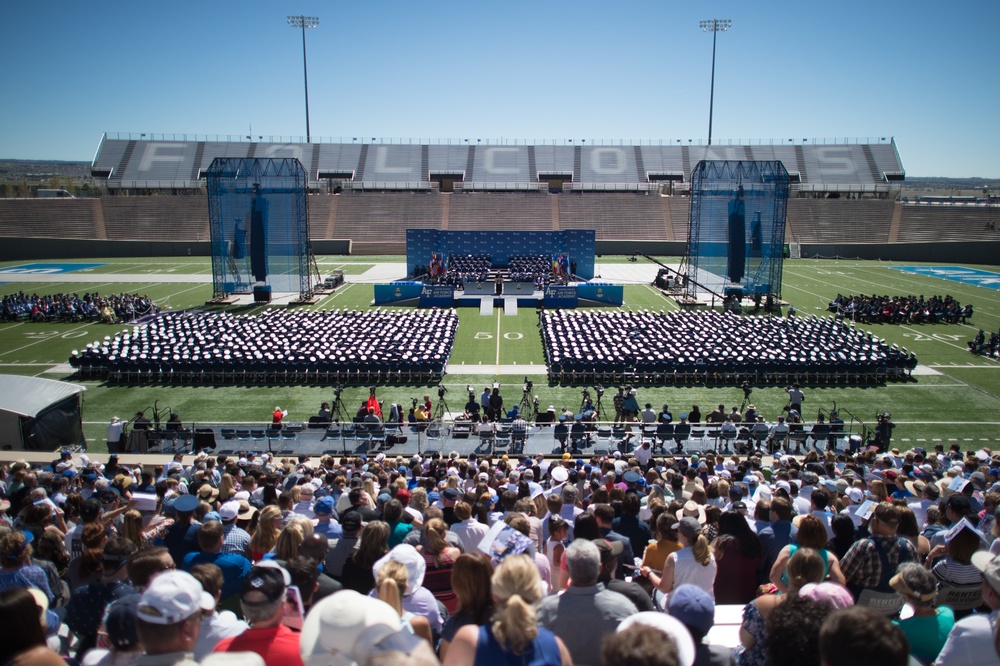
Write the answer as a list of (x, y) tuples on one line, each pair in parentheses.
[(39, 414)]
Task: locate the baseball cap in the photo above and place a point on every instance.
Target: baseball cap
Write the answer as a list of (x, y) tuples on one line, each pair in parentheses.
[(342, 629), (323, 506), (670, 626), (229, 511), (351, 521), (449, 494), (688, 526), (268, 579), (120, 622), (989, 565), (90, 509), (173, 596), (693, 607), (609, 549)]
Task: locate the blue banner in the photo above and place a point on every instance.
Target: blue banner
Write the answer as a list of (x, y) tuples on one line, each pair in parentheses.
[(437, 296), (399, 291), (604, 294), (557, 296)]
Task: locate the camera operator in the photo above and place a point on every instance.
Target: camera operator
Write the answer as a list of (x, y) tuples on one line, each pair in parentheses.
[(795, 398), (883, 432), (472, 407)]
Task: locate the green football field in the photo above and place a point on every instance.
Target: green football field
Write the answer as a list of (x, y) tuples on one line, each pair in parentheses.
[(953, 396)]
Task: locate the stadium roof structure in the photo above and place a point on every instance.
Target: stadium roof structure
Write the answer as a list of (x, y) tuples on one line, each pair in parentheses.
[(166, 162)]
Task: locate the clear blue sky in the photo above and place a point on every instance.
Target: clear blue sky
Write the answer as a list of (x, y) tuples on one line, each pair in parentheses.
[(923, 72)]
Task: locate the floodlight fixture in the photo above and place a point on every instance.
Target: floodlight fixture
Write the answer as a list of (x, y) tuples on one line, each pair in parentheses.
[(303, 22), (713, 26)]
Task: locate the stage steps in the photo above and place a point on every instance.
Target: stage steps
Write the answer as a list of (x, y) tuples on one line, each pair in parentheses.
[(486, 307), (510, 307)]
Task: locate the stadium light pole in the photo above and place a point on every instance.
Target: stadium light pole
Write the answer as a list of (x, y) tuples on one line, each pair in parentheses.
[(714, 26), (304, 22)]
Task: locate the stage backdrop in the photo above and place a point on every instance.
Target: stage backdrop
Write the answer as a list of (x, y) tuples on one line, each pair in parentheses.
[(578, 244)]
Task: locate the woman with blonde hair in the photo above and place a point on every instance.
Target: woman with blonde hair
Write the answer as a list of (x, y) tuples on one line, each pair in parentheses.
[(266, 535), (805, 566), (694, 563), (514, 636), (226, 488), (878, 490), (370, 495), (391, 584), (291, 537)]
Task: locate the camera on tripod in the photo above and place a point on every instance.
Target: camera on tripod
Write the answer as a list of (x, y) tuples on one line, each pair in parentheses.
[(337, 390), (442, 390), (746, 389), (528, 385), (599, 389), (414, 403), (586, 394)]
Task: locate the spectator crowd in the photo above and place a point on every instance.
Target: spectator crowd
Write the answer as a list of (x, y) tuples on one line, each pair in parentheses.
[(874, 558), (880, 309), (110, 309)]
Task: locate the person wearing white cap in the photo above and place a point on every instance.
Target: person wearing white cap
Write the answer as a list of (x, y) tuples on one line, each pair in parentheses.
[(168, 618)]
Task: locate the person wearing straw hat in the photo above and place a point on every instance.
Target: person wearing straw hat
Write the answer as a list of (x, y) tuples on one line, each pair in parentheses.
[(694, 563)]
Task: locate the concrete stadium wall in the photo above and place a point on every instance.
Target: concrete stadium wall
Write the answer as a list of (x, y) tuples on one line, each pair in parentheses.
[(965, 252), (14, 249)]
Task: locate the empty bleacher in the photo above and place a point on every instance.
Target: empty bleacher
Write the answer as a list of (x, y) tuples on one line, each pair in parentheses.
[(49, 218), (382, 217), (615, 216), (500, 211), (156, 218), (840, 220), (929, 223)]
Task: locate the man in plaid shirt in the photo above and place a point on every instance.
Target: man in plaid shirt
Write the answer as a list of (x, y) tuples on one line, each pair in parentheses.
[(862, 565)]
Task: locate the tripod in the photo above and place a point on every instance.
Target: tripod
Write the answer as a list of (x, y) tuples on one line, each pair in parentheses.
[(599, 408), (337, 411), (527, 407), (441, 407)]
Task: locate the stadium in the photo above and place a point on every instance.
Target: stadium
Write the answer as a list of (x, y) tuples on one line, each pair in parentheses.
[(847, 231)]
